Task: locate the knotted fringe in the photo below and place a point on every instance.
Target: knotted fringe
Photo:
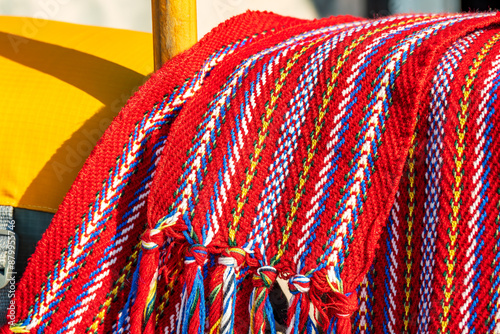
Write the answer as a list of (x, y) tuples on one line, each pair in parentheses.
[(260, 308), (341, 308), (147, 267), (145, 279), (334, 308), (192, 312), (216, 300), (223, 289), (330, 308), (299, 317)]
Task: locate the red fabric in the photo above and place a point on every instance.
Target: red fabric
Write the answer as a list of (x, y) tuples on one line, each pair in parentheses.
[(296, 142), (5, 329), (97, 167), (151, 242), (430, 274)]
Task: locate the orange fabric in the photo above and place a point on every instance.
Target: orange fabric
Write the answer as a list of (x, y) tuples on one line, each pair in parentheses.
[(62, 84)]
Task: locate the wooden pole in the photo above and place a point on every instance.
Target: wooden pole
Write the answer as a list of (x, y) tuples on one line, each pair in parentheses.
[(174, 28)]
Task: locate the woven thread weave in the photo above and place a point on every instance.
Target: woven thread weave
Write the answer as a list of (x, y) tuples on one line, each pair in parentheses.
[(358, 159)]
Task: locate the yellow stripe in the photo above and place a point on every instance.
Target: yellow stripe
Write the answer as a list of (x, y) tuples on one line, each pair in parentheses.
[(215, 328), (317, 129), (457, 191), (409, 234), (99, 318), (259, 146), (151, 296)]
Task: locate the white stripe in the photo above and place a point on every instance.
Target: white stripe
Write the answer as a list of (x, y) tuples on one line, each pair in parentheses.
[(474, 208)]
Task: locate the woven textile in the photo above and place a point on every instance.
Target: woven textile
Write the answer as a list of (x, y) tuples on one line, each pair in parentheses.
[(277, 147)]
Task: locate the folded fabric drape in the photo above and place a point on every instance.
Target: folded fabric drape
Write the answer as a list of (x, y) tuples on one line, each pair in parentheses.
[(356, 158)]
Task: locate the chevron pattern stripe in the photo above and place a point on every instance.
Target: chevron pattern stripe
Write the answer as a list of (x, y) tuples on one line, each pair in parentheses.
[(358, 159)]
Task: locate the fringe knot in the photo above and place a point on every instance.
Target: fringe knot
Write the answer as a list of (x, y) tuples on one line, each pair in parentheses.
[(152, 239), (344, 306), (265, 277), (299, 284), (233, 257), (197, 254)]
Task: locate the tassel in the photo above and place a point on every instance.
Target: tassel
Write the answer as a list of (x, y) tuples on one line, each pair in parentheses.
[(298, 310), (311, 326), (192, 312), (270, 316), (142, 315), (245, 288), (14, 329), (223, 291), (260, 308), (215, 297), (334, 307), (342, 308)]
